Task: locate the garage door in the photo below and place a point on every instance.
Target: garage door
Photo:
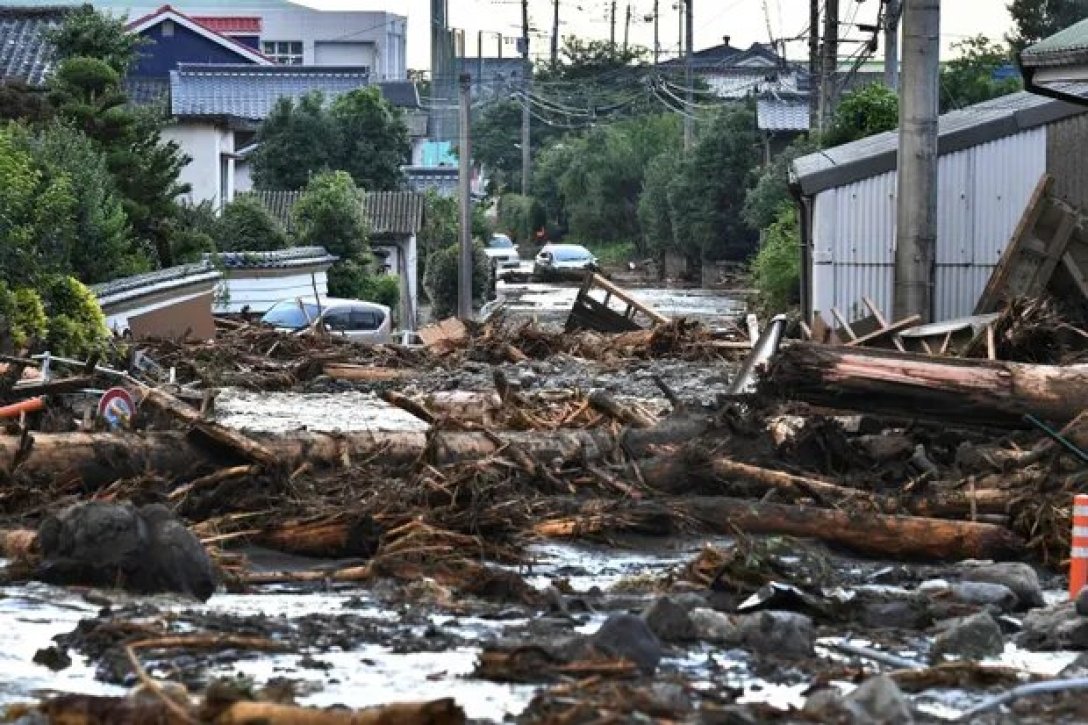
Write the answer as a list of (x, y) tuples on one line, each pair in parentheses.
[(355, 54)]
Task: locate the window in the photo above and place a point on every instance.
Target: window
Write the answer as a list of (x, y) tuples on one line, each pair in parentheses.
[(284, 52), (290, 314), (366, 319), (337, 321)]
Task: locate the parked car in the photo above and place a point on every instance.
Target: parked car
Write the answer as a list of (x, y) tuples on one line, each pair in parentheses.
[(502, 252), (563, 260), (354, 319)]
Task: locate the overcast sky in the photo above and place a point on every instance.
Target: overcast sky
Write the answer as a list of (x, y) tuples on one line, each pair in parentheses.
[(743, 20)]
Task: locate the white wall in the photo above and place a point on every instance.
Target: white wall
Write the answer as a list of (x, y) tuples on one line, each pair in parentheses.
[(260, 290), (205, 144), (243, 176), (982, 192)]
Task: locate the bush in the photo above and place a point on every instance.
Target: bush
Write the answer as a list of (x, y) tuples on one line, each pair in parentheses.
[(440, 278), (247, 226), (776, 268), (383, 289), (330, 214), (76, 323), (520, 216), (22, 318)]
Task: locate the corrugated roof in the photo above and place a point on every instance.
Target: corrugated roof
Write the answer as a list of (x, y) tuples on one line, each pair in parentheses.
[(1067, 46), (279, 259), (160, 280), (966, 127), (389, 213), (25, 54), (234, 24), (773, 114), (249, 92), (402, 94)]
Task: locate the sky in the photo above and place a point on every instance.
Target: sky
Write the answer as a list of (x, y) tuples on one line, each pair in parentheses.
[(744, 20)]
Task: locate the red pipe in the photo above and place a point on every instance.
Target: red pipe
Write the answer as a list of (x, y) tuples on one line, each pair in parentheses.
[(30, 405)]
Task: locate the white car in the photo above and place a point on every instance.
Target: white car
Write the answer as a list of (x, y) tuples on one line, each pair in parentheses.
[(502, 252), (354, 319), (563, 259)]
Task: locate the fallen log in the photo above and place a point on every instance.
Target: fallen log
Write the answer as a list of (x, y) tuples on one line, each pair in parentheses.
[(437, 712), (333, 539), (101, 458), (909, 537), (630, 415), (972, 392), (363, 373)]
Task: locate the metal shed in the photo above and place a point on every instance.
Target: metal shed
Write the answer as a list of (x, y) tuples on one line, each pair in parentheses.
[(991, 157)]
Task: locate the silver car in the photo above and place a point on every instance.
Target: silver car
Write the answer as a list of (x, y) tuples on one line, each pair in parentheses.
[(563, 259), (502, 252), (354, 319)]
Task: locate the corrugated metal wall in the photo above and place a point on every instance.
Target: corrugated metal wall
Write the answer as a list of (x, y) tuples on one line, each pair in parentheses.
[(1065, 144), (982, 193)]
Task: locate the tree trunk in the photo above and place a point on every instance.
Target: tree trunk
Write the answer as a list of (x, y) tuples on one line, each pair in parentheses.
[(972, 392)]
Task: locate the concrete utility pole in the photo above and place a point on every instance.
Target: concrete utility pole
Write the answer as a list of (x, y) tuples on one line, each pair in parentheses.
[(829, 63), (626, 28), (892, 11), (689, 90), (612, 27), (464, 178), (814, 76), (555, 32), (916, 220), (526, 84), (657, 36)]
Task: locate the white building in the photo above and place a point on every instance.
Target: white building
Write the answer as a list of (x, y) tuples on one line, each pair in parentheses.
[(991, 156)]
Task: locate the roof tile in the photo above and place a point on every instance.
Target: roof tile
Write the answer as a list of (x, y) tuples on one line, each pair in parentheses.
[(25, 54)]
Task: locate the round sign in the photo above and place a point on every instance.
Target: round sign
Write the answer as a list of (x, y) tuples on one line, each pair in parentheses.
[(116, 408)]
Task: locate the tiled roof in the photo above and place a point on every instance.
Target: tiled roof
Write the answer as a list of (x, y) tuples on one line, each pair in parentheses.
[(779, 115), (160, 280), (147, 91), (249, 92), (396, 213), (231, 25), (165, 13), (1068, 46), (25, 54), (402, 94), (283, 258)]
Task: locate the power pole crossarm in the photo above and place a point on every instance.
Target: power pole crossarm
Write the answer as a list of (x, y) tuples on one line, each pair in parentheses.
[(916, 212), (464, 178)]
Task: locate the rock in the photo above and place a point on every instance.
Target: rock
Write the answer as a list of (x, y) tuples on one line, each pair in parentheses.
[(786, 634), (670, 697), (1081, 602), (711, 625), (995, 597), (629, 637), (911, 612), (1055, 628), (727, 715), (55, 658), (668, 619), (878, 700), (973, 637), (1076, 668), (528, 379), (143, 550), (1017, 576)]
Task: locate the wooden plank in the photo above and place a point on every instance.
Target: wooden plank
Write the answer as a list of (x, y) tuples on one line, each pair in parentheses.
[(875, 311), (996, 286), (1075, 273), (822, 332), (991, 346), (889, 330), (753, 327), (946, 342), (806, 331), (843, 324), (1056, 249), (608, 286)]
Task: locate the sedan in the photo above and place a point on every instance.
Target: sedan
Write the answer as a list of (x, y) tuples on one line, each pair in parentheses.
[(563, 259), (502, 252), (354, 319)]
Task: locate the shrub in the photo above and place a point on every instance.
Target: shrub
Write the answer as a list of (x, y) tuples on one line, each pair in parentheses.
[(383, 289), (776, 268), (22, 318), (247, 226), (440, 278), (520, 216), (76, 323)]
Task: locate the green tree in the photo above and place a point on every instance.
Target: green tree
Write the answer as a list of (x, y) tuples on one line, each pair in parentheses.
[(19, 102), (707, 196), (520, 217), (22, 318), (496, 141), (654, 207), (440, 278), (296, 141), (372, 139), (76, 323), (776, 269), (88, 33), (246, 225), (771, 190), (1038, 19), (971, 77), (195, 227), (863, 112)]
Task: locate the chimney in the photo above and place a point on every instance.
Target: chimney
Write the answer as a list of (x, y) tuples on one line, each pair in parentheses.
[(725, 39)]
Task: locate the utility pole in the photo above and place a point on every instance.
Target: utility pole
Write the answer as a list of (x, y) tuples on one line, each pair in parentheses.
[(916, 218), (555, 33), (526, 84), (829, 64), (814, 76), (657, 37), (689, 90), (612, 27), (479, 60), (626, 28), (892, 11), (464, 178)]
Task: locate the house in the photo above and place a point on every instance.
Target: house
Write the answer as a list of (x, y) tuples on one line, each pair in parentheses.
[(26, 56), (216, 110), (254, 281), (288, 32), (1058, 66), (779, 121), (395, 218), (737, 73), (991, 156), (175, 302)]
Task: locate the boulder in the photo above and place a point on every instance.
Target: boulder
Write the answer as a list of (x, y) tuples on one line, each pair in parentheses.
[(145, 550), (629, 637), (1017, 576), (710, 625), (669, 620), (908, 612), (878, 700), (785, 634), (997, 598), (1055, 628), (973, 637)]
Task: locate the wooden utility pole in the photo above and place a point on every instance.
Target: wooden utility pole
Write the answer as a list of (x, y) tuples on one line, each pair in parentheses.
[(464, 178), (814, 76), (689, 90), (657, 36), (892, 11), (626, 28), (555, 33), (526, 84), (916, 219), (829, 63), (612, 27)]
